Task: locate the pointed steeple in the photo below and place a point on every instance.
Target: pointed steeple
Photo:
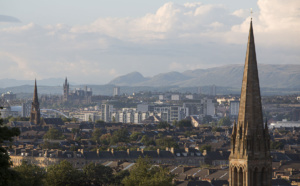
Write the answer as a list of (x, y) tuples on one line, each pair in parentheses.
[(250, 110), (251, 147), (35, 107), (35, 94)]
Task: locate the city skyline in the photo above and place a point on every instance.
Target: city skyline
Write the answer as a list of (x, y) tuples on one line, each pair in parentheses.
[(106, 41)]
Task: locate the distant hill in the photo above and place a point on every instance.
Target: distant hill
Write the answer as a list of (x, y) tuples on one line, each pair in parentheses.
[(13, 82), (271, 76)]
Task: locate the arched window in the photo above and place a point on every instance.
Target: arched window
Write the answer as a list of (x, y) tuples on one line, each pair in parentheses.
[(240, 177)]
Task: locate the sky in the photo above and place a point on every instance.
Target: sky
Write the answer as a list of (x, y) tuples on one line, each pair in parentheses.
[(94, 41)]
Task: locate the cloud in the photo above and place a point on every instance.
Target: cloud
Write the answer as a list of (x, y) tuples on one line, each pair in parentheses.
[(175, 37)]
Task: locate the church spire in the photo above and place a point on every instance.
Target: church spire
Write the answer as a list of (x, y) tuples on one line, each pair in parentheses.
[(35, 94), (35, 107), (250, 110), (250, 162)]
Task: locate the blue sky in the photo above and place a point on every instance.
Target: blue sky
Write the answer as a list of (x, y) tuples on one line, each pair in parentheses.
[(95, 41)]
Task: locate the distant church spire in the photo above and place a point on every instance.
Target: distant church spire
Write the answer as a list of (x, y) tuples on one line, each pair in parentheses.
[(250, 161), (35, 116), (66, 88)]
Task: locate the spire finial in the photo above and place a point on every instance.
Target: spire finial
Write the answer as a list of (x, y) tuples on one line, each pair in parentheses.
[(251, 12)]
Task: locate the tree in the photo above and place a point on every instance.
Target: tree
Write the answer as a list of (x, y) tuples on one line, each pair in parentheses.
[(63, 174), (98, 174), (105, 139), (224, 122), (54, 134), (207, 119), (96, 135), (134, 136), (121, 135), (144, 173), (184, 123), (163, 125), (119, 176), (29, 174), (205, 147), (5, 172), (166, 142)]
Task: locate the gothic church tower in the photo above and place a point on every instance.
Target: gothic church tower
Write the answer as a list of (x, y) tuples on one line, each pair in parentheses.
[(250, 162), (35, 115), (66, 90)]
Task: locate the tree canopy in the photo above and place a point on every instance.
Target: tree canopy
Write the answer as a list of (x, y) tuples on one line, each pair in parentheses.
[(144, 173), (5, 172)]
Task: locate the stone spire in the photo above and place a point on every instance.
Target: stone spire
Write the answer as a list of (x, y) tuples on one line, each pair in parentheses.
[(250, 105), (250, 162), (35, 94), (35, 116)]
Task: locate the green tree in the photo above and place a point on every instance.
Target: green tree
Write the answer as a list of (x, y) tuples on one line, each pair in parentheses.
[(163, 125), (5, 172), (134, 136), (166, 142), (205, 147), (147, 141), (105, 139), (98, 174), (63, 174), (224, 122), (53, 134), (121, 135), (119, 176), (29, 175), (96, 135), (144, 173), (184, 123)]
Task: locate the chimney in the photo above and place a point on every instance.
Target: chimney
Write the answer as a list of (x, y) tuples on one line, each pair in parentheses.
[(157, 151), (138, 149), (128, 152), (81, 150), (98, 152), (142, 150), (46, 153), (204, 153), (172, 150), (167, 148), (187, 150), (112, 151)]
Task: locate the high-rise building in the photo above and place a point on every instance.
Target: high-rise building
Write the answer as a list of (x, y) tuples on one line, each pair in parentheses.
[(234, 108), (106, 111), (35, 115), (213, 90), (116, 91), (250, 162)]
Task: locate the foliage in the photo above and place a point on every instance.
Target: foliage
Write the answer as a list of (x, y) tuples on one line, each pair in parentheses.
[(105, 139), (184, 123), (98, 174), (29, 174), (207, 119), (276, 145), (100, 121), (205, 147), (48, 145), (216, 129), (147, 141), (144, 173), (63, 174), (134, 136), (224, 122), (66, 119), (96, 135), (118, 177), (166, 142), (121, 135), (163, 125), (53, 134), (5, 172)]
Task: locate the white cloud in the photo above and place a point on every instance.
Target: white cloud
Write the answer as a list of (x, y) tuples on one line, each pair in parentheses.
[(175, 37)]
